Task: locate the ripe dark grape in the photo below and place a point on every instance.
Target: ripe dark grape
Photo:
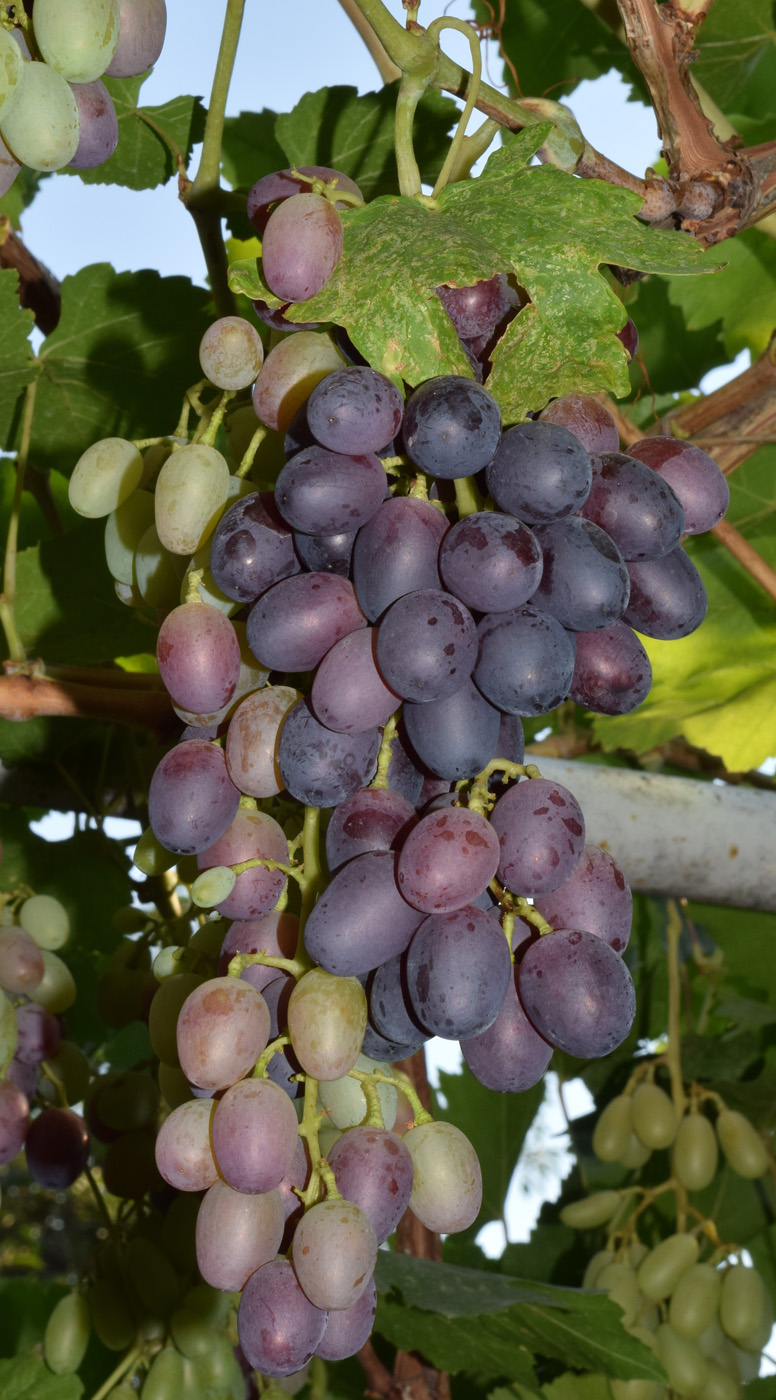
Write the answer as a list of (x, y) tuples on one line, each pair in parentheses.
[(447, 860), (629, 337), (457, 736), (426, 645), (396, 553), (540, 472), (577, 993), (270, 190), (349, 694), (199, 657), (693, 475), (278, 1327), (326, 554), (636, 509), (526, 661), (596, 897), (355, 410), (478, 311), (586, 418), (294, 624), (585, 583), (451, 427), (301, 246), (458, 970), (491, 562), (361, 918), (391, 1007), (252, 548), (56, 1147), (374, 1170), (191, 800), (510, 1056), (348, 1330), (319, 767), (321, 492), (541, 832), (374, 819), (612, 672), (667, 596)]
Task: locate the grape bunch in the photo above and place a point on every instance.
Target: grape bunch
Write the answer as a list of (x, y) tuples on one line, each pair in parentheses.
[(36, 989), (55, 110), (707, 1318)]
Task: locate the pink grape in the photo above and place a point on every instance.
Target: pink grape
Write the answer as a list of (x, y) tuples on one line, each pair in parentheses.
[(334, 1253), (595, 897), (254, 1135), (301, 246), (223, 1027), (236, 1234), (347, 1331), (199, 657), (14, 1118), (183, 1152), (251, 836), (275, 934), (21, 961), (447, 860), (278, 1327)]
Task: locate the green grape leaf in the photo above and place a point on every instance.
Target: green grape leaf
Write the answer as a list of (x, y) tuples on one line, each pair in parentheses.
[(736, 60), (571, 1387), (16, 365), (496, 1125), (21, 194), (25, 1307), (670, 356), (152, 140), (516, 219), (464, 1320), (336, 127), (118, 363), (66, 609), (742, 296), (717, 687), (27, 1378), (250, 148)]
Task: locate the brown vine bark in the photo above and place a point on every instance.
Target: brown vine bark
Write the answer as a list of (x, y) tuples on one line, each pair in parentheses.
[(39, 289), (103, 697)]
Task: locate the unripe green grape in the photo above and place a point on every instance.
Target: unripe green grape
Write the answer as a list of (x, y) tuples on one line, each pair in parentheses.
[(124, 529), (43, 128), (129, 1169), (345, 1101), (123, 1391), (111, 1316), (327, 1136), (635, 1154), (653, 1116), (130, 920), (720, 1385), (9, 1032), (127, 1100), (231, 353), (595, 1267), (124, 995), (683, 1359), (742, 1145), (178, 1240), (165, 1379), (591, 1211), (206, 941), (104, 476), (174, 1085), (447, 1181), (694, 1301), (46, 920), (67, 1335), (163, 1016), (207, 588), (326, 1023), (151, 857), (11, 66), (211, 1305), (191, 492), (637, 1251), (79, 40), (158, 572), (170, 961), (743, 1304), (128, 595), (56, 989), (155, 457), (636, 1390), (213, 886), (663, 1267), (612, 1132), (695, 1152), (619, 1281), (190, 1335), (73, 1070)]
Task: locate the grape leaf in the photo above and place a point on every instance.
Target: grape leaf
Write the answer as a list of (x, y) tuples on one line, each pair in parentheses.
[(25, 1307), (742, 296), (736, 60), (118, 363), (675, 356), (248, 151), (151, 139), (27, 1378), (718, 686), (336, 127), (16, 366), (515, 219)]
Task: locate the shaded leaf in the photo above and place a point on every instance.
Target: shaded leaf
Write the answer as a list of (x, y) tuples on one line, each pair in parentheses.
[(151, 139), (737, 56), (25, 1307), (27, 1378), (16, 365), (671, 356), (741, 297), (553, 44)]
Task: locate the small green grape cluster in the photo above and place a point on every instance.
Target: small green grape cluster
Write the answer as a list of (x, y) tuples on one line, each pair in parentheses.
[(708, 1319)]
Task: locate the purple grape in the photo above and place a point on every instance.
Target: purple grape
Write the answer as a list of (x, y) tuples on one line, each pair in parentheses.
[(526, 661), (379, 1047), (391, 1007), (585, 582), (99, 135), (692, 474), (451, 427), (491, 562), (294, 624), (347, 1331), (458, 969), (404, 775), (374, 1170), (251, 836), (142, 26), (274, 934), (301, 246), (596, 897), (282, 1069), (24, 1077), (396, 553), (349, 694), (237, 1234), (325, 554), (191, 800), (321, 492), (39, 1034), (667, 597), (276, 996), (634, 506), (629, 337), (298, 1174), (355, 410), (277, 321), (270, 190), (511, 740), (577, 993), (21, 961), (612, 672), (199, 657), (540, 472), (361, 918), (426, 645), (252, 548), (319, 767), (510, 1056), (14, 1119), (373, 819), (586, 418), (57, 1148), (183, 1152), (478, 311), (447, 860), (279, 1329), (223, 1026), (254, 1135), (541, 833), (455, 737)]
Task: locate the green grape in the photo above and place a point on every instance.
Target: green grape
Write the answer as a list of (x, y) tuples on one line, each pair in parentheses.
[(79, 40), (45, 920), (695, 1152), (123, 995), (742, 1145), (663, 1267), (619, 1281), (214, 1367), (743, 1305), (635, 1154), (327, 1136), (720, 1385), (637, 1251), (174, 1086), (612, 1132), (345, 1102), (591, 1211), (595, 1266), (129, 1169), (11, 66), (695, 1299), (178, 1232), (636, 1390), (122, 1391), (207, 588), (326, 1023), (67, 1334), (191, 492), (130, 920), (290, 373), (158, 572), (152, 1276), (43, 128), (9, 1032), (127, 1100), (150, 857), (166, 1378), (128, 595), (124, 529), (56, 989), (104, 476), (213, 886), (155, 457), (190, 1335), (210, 1304), (73, 1070), (170, 961), (163, 1016), (683, 1359), (206, 941), (231, 353), (653, 1116), (111, 1316)]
